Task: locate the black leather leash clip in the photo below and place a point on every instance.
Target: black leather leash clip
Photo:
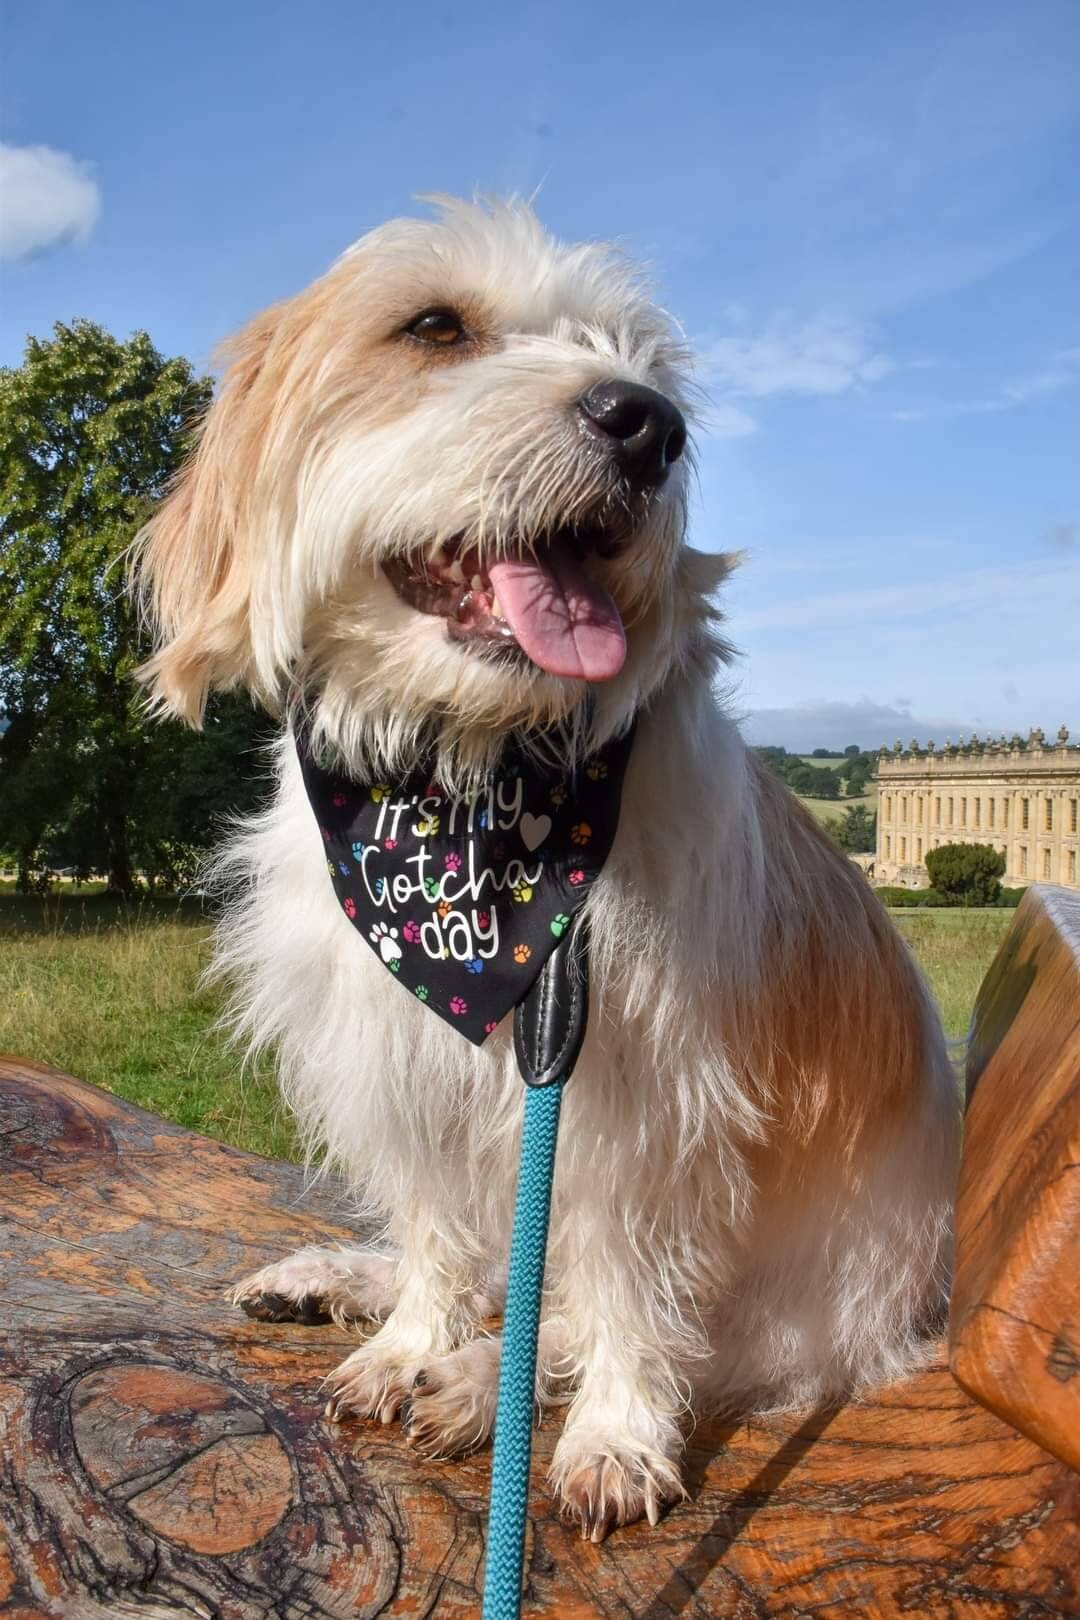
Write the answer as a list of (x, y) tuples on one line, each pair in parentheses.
[(550, 1023)]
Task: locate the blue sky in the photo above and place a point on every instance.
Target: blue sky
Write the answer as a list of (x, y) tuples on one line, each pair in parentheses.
[(866, 217)]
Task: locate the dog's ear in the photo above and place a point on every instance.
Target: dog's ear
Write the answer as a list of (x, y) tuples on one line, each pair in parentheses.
[(192, 565)]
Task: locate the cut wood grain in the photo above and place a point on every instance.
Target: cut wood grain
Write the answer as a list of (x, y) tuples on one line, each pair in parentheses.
[(1014, 1338), (164, 1456)]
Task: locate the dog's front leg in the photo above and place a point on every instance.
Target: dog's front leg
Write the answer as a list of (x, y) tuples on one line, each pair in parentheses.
[(618, 1458), (438, 1304)]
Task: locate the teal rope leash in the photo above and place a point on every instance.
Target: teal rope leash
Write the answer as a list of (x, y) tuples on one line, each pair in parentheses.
[(517, 1368)]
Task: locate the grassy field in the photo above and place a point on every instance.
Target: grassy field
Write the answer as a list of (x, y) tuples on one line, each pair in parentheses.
[(954, 948), (833, 809), (111, 993)]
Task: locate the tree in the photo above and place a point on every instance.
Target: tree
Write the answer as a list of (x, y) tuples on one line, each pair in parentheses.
[(856, 830), (92, 430), (967, 874), (812, 781)]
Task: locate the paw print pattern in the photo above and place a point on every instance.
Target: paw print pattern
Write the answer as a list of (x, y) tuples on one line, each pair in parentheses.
[(379, 792), (597, 770), (444, 908), (427, 827), (490, 1028), (431, 888), (576, 876), (474, 965), (483, 921), (580, 832), (358, 852), (349, 908), (458, 1006), (325, 834), (344, 868), (559, 924), (521, 954), (331, 869), (522, 894), (338, 801), (558, 794), (452, 862), (389, 843), (421, 992), (386, 940), (411, 932)]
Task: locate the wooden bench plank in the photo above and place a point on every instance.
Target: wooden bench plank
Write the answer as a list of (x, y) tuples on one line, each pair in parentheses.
[(165, 1456)]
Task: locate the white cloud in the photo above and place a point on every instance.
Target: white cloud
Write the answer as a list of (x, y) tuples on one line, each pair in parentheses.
[(979, 594), (836, 724), (46, 198), (825, 355), (720, 419), (1062, 370)]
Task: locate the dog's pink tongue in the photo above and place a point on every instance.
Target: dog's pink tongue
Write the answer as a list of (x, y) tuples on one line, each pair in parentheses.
[(562, 620)]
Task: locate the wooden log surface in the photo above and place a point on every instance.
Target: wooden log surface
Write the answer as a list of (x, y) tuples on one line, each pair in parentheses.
[(163, 1456), (1014, 1338)]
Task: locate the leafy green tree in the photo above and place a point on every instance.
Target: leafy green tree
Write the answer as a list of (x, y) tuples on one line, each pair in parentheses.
[(813, 781), (856, 830), (92, 430), (967, 874)]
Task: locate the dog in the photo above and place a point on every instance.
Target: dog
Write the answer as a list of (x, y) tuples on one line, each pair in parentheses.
[(752, 1206)]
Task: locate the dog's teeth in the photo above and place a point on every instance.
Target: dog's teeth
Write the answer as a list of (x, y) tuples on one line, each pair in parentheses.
[(457, 573), (477, 583), (496, 610)]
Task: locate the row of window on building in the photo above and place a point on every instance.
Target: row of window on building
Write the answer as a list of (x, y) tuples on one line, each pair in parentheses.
[(1068, 858), (956, 812)]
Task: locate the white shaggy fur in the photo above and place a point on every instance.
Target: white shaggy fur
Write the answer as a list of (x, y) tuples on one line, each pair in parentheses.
[(756, 1163)]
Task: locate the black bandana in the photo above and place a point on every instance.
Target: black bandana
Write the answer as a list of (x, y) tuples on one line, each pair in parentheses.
[(463, 900)]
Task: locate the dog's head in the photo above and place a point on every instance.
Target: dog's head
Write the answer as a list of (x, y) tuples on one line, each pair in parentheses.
[(441, 491)]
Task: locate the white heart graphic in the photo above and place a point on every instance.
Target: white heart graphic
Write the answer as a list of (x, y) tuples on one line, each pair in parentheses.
[(533, 830)]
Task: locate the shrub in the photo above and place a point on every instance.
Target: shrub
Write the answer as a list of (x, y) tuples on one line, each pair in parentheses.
[(896, 895), (970, 874)]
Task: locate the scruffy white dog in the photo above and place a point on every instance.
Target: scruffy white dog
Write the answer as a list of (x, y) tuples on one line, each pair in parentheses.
[(752, 1203)]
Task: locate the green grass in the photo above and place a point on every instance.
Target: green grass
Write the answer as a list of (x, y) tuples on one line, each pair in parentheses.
[(833, 809), (955, 948), (111, 993)]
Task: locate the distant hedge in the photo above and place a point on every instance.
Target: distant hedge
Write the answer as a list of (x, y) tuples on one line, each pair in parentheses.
[(894, 895)]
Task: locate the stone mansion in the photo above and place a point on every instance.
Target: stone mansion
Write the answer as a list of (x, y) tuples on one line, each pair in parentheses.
[(1021, 797)]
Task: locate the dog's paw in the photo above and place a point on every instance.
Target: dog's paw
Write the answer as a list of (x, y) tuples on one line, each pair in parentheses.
[(374, 1382), (451, 1406), (315, 1286), (602, 1485)]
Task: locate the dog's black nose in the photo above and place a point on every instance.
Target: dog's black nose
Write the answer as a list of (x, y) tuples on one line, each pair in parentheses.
[(645, 432)]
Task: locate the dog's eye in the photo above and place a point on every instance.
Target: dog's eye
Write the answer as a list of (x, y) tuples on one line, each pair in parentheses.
[(439, 326)]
